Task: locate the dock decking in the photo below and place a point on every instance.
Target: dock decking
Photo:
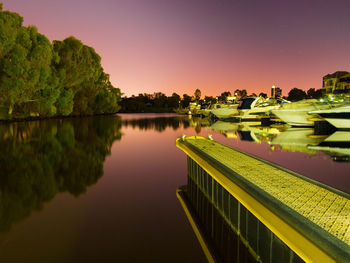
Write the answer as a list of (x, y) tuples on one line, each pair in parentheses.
[(311, 218)]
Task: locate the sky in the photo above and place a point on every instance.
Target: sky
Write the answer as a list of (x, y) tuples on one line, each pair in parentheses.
[(178, 46)]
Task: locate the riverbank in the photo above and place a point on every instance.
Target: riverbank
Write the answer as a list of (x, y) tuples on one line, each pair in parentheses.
[(38, 118)]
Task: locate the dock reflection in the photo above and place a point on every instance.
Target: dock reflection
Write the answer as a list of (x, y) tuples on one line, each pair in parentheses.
[(219, 241)]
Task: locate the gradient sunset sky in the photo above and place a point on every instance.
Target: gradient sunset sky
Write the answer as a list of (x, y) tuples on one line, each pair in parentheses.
[(215, 45)]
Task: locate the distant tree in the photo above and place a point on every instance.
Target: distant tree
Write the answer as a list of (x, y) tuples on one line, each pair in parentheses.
[(244, 93), (210, 99), (160, 100), (197, 94), (314, 94), (186, 99), (174, 100), (262, 94), (296, 94), (224, 95), (241, 93)]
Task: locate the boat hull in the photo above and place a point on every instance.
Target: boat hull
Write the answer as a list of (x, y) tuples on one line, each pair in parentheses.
[(294, 117), (339, 117), (225, 113)]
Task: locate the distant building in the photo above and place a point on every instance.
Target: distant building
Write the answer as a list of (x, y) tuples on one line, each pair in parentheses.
[(276, 92), (336, 83)]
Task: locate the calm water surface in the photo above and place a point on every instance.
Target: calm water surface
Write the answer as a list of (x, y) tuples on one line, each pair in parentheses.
[(102, 189)]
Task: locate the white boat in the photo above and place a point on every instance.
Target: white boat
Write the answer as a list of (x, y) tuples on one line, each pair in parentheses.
[(256, 108), (339, 116), (205, 112), (297, 113), (250, 108), (226, 112)]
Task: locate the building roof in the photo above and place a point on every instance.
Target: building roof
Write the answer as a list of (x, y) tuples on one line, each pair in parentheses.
[(336, 74)]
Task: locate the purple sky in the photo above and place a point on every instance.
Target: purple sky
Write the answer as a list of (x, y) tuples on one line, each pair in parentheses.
[(214, 45)]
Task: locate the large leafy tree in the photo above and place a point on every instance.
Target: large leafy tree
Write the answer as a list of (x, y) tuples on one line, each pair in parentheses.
[(25, 66), (38, 78), (85, 87)]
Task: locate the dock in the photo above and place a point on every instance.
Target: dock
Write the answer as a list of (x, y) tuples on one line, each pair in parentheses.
[(309, 220)]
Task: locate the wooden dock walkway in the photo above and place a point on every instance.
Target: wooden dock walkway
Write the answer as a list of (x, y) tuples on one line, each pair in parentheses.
[(309, 217)]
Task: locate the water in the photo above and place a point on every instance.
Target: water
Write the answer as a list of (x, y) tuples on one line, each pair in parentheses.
[(104, 188)]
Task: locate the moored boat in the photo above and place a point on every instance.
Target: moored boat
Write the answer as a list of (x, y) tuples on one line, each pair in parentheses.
[(225, 112), (298, 113), (253, 109), (339, 116)]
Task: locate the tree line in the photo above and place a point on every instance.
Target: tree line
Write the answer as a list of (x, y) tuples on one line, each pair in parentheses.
[(43, 79), (159, 102)]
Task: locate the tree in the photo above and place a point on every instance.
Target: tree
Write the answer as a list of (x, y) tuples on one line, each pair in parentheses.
[(210, 99), (83, 79), (224, 95), (38, 78), (296, 94), (197, 95), (314, 94), (174, 101), (262, 94), (241, 93), (186, 99), (25, 72)]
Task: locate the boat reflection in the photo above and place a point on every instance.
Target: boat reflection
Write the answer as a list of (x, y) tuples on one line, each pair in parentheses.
[(280, 137), (336, 145), (247, 132), (298, 140), (285, 138)]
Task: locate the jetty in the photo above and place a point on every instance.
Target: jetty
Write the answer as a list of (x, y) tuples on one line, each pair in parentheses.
[(280, 215)]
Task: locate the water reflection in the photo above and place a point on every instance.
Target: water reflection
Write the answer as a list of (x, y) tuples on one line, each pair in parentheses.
[(39, 159), (279, 137), (219, 241), (336, 144), (158, 123)]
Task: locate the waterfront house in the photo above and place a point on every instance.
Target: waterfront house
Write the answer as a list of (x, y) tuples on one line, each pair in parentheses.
[(336, 83)]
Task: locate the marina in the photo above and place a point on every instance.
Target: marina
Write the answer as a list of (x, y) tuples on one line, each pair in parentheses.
[(174, 131)]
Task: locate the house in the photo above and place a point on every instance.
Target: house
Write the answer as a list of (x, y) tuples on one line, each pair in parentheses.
[(336, 83)]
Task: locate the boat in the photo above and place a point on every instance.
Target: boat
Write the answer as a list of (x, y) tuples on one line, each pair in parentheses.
[(339, 116), (256, 108), (206, 111), (299, 113), (225, 112)]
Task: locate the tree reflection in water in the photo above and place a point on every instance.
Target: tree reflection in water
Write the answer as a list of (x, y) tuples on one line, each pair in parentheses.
[(39, 159), (158, 123)]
